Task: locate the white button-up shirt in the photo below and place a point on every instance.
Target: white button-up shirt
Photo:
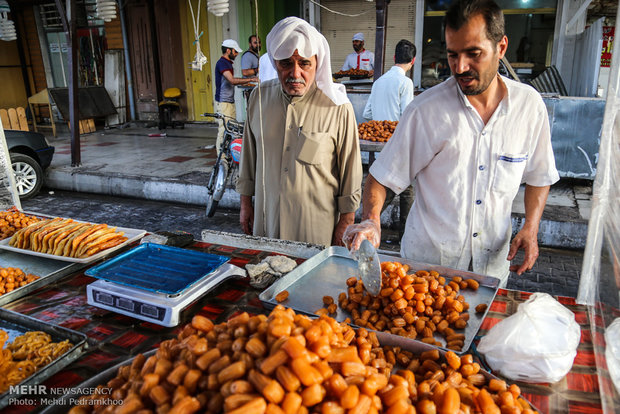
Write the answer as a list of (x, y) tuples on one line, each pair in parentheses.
[(468, 173), (364, 60), (390, 95)]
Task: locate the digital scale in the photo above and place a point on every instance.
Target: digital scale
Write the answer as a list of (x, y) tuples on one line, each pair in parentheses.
[(155, 283)]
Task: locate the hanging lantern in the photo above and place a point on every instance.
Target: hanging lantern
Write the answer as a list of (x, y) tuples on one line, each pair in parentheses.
[(106, 10), (7, 27), (218, 7)]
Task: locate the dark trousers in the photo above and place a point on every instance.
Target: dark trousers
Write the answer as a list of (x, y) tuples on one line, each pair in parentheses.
[(406, 200)]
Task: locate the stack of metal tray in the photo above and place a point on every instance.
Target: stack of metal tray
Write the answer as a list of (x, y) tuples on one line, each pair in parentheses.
[(16, 324), (326, 273)]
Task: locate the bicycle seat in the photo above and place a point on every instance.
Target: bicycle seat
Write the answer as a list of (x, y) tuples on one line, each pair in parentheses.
[(172, 93)]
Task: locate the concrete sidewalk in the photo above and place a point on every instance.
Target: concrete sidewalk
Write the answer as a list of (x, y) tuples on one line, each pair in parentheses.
[(175, 167)]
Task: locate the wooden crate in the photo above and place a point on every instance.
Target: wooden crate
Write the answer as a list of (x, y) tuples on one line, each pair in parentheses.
[(14, 118)]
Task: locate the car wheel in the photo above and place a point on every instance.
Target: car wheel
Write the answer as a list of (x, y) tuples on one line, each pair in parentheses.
[(28, 175)]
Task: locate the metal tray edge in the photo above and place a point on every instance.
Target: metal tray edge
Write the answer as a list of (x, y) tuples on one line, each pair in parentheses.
[(71, 268)]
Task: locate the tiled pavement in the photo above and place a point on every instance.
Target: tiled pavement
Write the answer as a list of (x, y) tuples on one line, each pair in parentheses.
[(132, 152), (556, 272)]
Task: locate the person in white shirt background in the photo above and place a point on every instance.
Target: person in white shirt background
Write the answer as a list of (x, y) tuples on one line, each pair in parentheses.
[(393, 91), (266, 70), (468, 143), (390, 95), (361, 58)]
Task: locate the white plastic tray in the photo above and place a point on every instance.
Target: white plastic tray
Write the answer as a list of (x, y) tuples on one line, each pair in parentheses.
[(131, 234)]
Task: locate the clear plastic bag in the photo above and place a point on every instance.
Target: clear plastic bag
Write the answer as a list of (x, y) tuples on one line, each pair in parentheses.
[(536, 344), (612, 352)]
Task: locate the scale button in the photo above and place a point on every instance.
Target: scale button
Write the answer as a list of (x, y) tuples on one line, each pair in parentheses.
[(149, 310), (104, 298), (125, 304)]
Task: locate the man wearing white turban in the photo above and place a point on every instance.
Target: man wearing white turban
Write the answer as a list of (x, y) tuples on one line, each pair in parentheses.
[(300, 158)]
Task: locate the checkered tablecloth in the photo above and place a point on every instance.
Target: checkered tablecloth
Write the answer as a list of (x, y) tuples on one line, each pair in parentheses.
[(580, 391)]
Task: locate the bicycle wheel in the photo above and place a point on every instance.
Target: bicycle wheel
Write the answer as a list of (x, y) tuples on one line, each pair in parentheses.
[(211, 206), (211, 202), (219, 186)]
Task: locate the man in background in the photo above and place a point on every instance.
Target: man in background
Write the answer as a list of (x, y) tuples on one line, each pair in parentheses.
[(390, 95), (266, 71), (360, 59), (249, 58), (225, 82), (393, 91)]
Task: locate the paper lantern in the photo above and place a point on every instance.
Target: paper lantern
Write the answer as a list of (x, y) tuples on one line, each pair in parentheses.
[(218, 7), (7, 27), (106, 10)]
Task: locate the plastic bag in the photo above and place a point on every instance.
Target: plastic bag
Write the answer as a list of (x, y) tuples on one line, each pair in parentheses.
[(268, 270), (612, 352), (536, 344)]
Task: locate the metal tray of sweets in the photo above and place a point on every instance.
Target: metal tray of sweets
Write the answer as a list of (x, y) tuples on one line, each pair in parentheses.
[(48, 270), (325, 274), (16, 324)]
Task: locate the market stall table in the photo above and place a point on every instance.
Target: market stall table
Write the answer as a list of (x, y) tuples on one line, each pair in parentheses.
[(113, 338), (371, 147)]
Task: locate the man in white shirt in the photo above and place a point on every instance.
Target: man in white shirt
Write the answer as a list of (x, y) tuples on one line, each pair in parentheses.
[(390, 95), (361, 58), (468, 143), (266, 71), (393, 91)]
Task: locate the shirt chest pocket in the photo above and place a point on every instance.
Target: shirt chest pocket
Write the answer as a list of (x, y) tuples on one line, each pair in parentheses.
[(508, 173), (314, 148)]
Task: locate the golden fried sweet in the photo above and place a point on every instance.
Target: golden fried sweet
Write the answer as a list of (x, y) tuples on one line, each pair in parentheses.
[(11, 221), (377, 131)]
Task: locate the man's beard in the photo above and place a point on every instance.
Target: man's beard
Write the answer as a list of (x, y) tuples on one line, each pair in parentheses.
[(482, 86), (358, 48)]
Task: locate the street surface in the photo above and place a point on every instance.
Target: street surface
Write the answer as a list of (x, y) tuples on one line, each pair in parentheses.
[(133, 213)]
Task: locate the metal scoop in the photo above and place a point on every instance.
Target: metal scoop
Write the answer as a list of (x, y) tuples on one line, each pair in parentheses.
[(369, 267)]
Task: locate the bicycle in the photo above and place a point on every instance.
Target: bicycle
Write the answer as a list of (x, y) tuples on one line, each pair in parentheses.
[(227, 162)]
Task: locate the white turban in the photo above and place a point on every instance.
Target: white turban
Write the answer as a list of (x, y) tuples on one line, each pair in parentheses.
[(293, 33)]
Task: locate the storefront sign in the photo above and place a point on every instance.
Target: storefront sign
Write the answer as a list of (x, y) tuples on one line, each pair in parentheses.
[(608, 42)]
